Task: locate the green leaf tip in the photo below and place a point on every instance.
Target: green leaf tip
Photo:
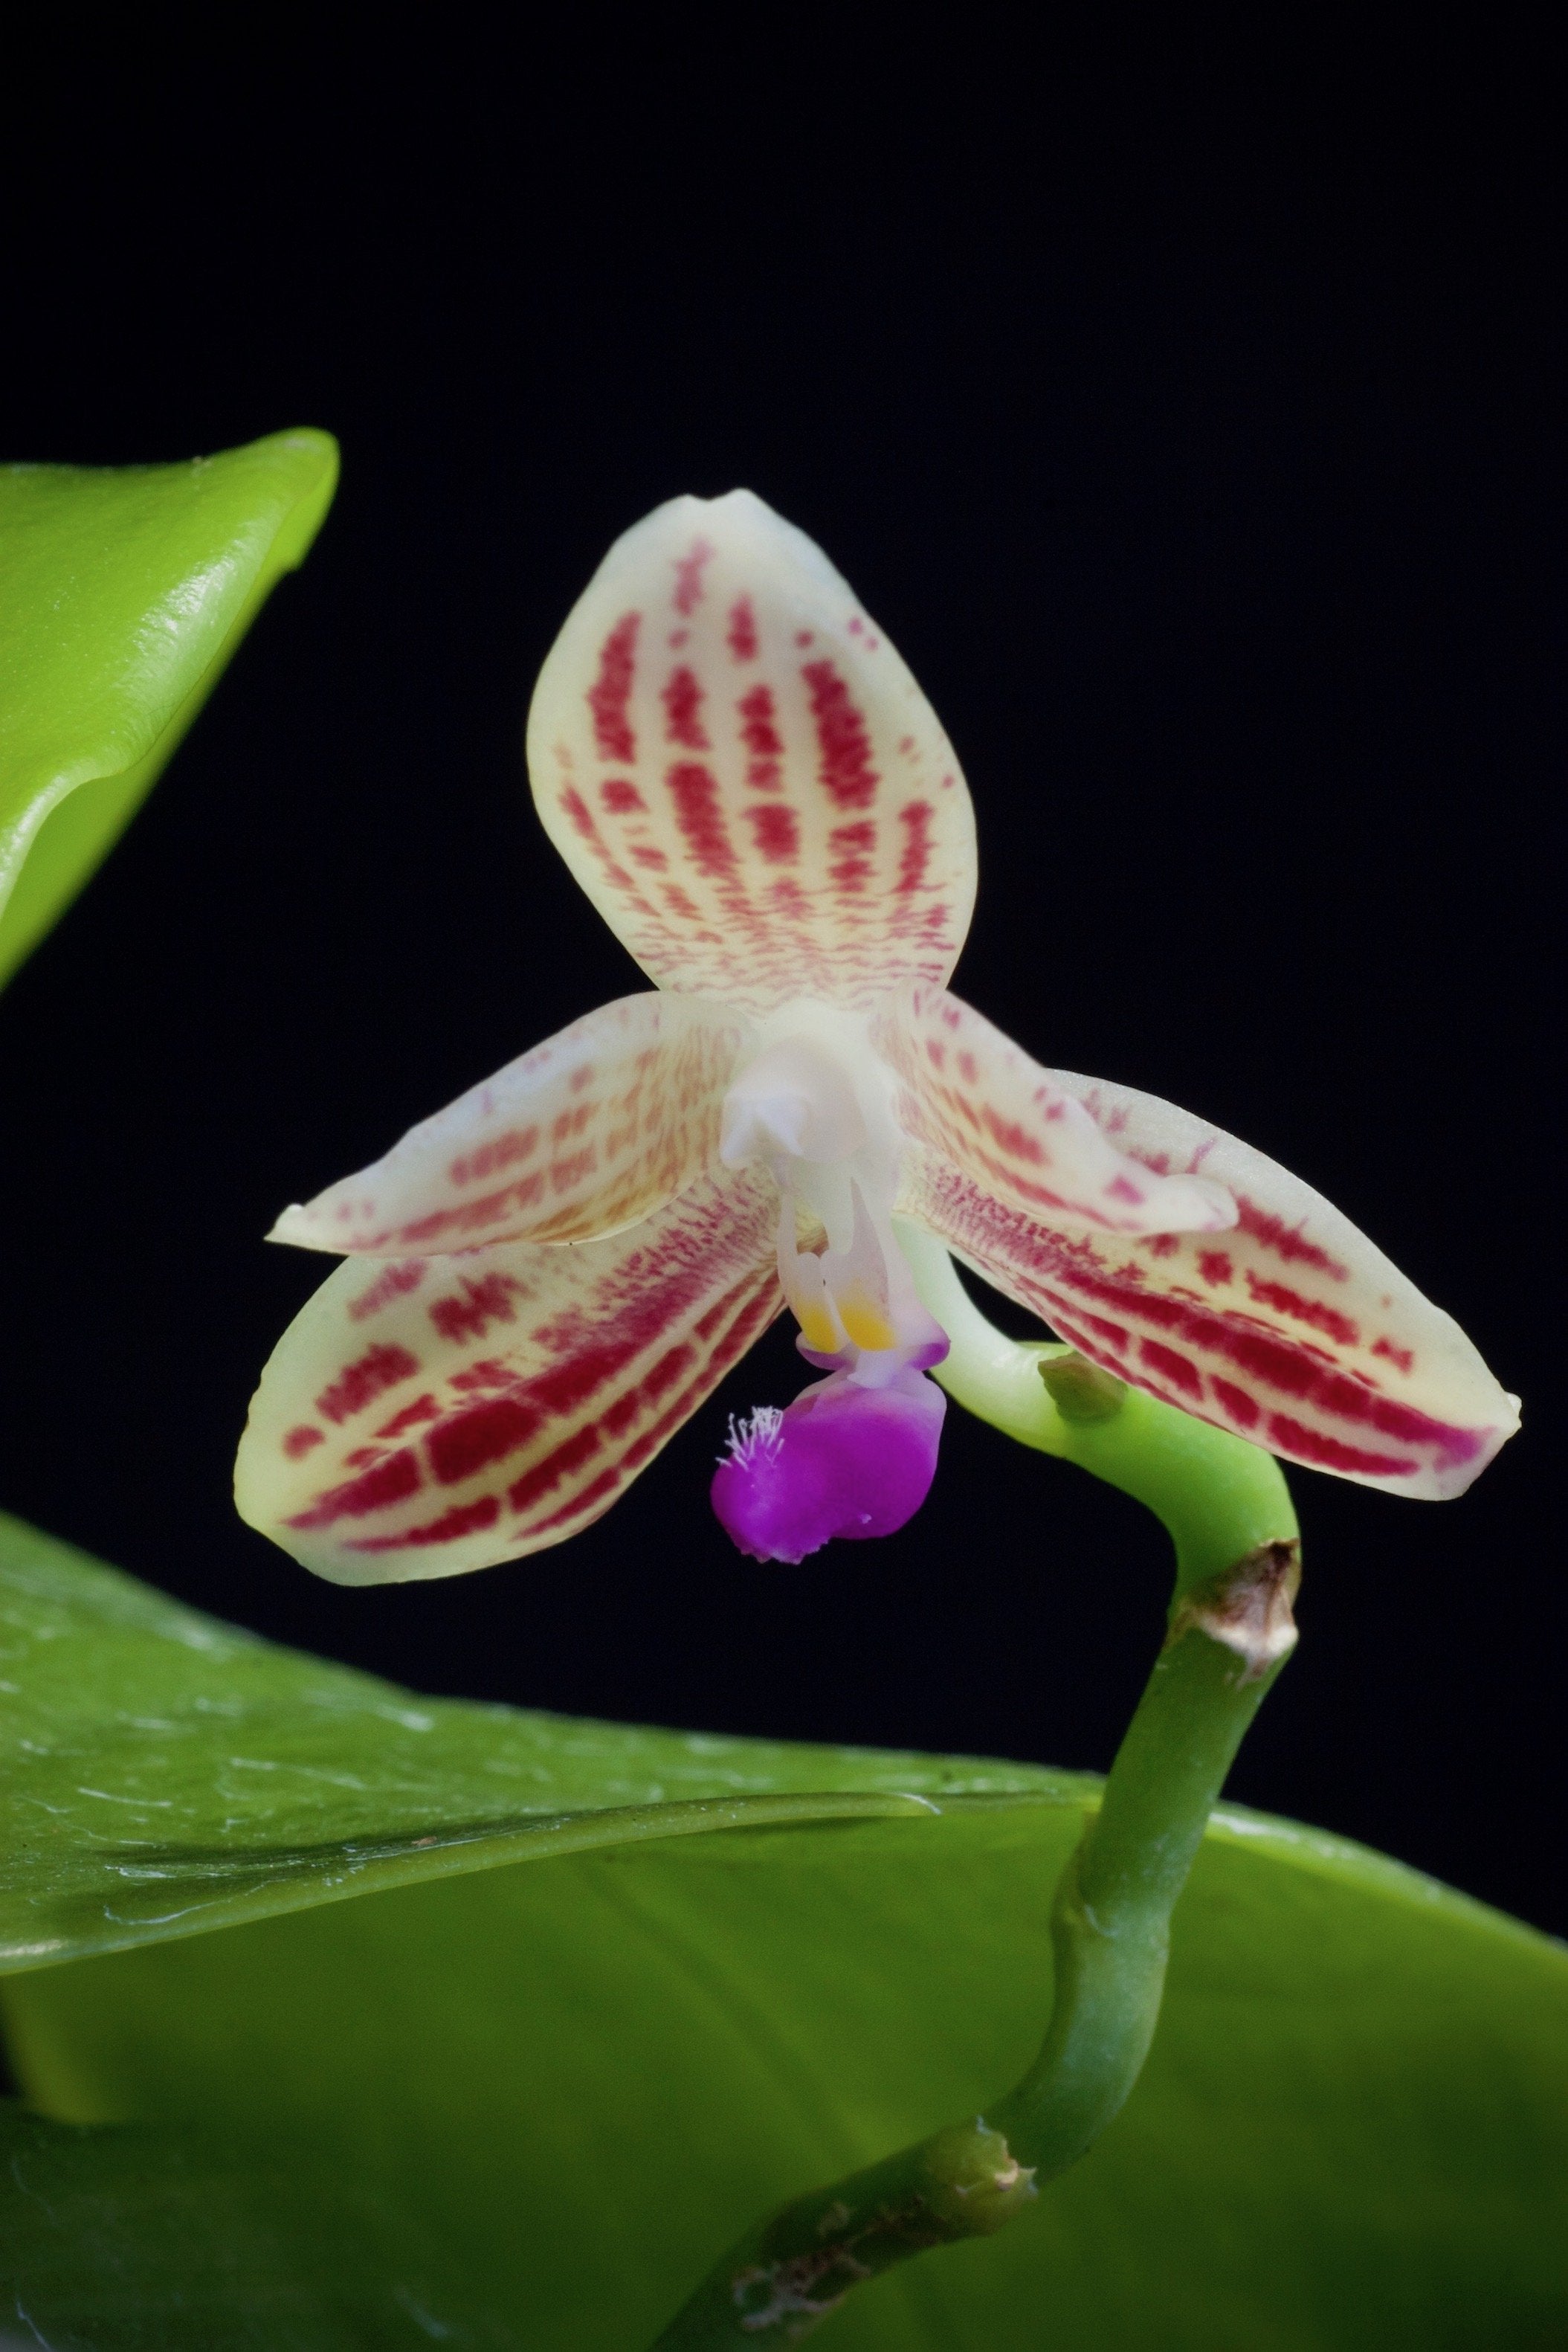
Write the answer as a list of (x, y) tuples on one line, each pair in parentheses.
[(123, 591)]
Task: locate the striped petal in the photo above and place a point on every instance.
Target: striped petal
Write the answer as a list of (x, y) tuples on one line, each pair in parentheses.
[(1292, 1328), (590, 1132), (1020, 1134), (430, 1416), (743, 775)]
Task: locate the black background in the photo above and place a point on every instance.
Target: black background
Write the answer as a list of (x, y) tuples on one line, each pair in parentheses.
[(1185, 405)]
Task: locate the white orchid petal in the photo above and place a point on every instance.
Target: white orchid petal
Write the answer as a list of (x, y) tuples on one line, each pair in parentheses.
[(1293, 1329), (743, 775), (427, 1416), (592, 1131), (1017, 1132)]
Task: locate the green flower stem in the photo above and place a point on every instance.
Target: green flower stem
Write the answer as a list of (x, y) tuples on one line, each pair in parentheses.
[(1111, 1920), (1229, 1513), (1217, 1496)]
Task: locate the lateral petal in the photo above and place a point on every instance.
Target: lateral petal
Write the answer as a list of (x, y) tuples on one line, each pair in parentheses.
[(1019, 1132), (741, 773), (592, 1131), (431, 1415), (1292, 1328)]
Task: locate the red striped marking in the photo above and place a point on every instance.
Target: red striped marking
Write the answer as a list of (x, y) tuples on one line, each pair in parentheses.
[(582, 823), (393, 1481), (463, 1217), (608, 1484), (488, 1372), (1284, 1239), (620, 796), (1334, 1454), (572, 1121), (699, 814), (412, 1416), (300, 1440), (776, 831), (1245, 1410), (610, 692), (1010, 1137), (843, 746), (689, 593), (743, 630), (360, 1383), (478, 1304), (501, 1151), (576, 807), (394, 1282), (757, 1310), (482, 1434), (916, 818), (1313, 1312), (683, 700), (1166, 1365), (851, 869), (462, 1520), (764, 744), (534, 1484), (1247, 1367)]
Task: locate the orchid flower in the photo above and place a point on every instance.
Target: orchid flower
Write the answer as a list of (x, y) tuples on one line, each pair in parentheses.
[(543, 1282)]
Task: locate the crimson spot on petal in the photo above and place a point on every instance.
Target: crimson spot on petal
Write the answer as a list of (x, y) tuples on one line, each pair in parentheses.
[(843, 746), (394, 1482), (463, 1520), (480, 1434), (915, 819), (577, 1449), (689, 577), (358, 1383), (695, 796), (481, 1303), (743, 630), (1180, 1370), (610, 692), (778, 832), (682, 699)]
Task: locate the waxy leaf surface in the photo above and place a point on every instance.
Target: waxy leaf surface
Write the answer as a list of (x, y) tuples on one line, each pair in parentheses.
[(510, 2022), (123, 591)]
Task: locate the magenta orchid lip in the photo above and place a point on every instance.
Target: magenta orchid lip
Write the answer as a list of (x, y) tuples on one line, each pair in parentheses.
[(842, 1460), (544, 1282)]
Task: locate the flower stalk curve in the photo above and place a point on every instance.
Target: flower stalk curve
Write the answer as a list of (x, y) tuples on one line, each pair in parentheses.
[(1231, 1629)]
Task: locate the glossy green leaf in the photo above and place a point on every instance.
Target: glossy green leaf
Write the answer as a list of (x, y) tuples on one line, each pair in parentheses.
[(270, 2256), (123, 591), (554, 2093)]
